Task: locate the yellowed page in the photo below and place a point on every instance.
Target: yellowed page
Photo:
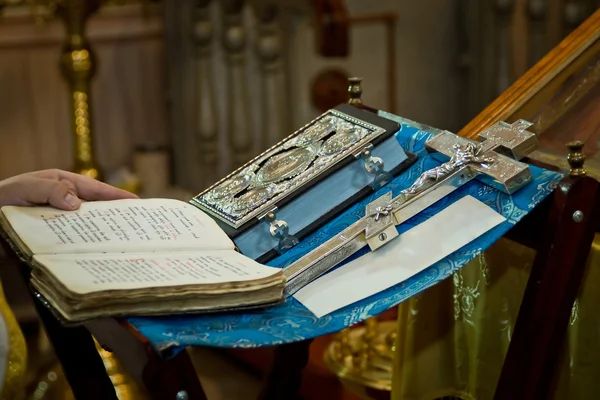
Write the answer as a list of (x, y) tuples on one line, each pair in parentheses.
[(90, 273), (132, 225)]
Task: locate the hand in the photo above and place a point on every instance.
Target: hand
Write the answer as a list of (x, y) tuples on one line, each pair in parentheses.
[(60, 189)]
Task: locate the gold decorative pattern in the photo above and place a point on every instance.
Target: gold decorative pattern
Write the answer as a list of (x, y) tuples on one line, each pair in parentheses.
[(52, 384), (574, 313), (362, 356), (464, 299), (14, 378)]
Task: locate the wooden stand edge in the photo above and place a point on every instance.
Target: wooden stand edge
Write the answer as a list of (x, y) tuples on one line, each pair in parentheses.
[(556, 276)]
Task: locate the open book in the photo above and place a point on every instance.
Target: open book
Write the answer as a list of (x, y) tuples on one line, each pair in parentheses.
[(136, 257)]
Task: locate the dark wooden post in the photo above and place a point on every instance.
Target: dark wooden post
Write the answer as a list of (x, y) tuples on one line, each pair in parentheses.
[(556, 275)]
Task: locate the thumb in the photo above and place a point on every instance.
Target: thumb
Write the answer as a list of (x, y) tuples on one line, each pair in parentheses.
[(60, 195)]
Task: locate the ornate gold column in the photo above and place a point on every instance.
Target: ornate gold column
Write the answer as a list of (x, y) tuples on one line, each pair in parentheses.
[(78, 67)]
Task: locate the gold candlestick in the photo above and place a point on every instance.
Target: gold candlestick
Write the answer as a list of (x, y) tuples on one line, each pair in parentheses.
[(576, 159), (362, 356), (355, 91), (77, 64)]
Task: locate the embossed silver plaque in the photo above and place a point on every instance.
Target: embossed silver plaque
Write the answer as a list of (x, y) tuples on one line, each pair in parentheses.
[(300, 159)]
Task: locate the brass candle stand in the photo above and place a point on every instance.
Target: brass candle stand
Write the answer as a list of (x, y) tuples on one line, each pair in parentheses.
[(51, 383), (362, 356), (77, 63), (78, 66)]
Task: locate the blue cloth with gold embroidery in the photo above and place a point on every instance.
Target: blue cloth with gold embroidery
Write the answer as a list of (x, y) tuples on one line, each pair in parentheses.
[(291, 321)]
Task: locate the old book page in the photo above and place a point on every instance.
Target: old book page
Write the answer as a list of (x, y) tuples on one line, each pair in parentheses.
[(217, 270), (132, 225)]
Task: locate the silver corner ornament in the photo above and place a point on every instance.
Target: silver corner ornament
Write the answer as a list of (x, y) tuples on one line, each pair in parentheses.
[(494, 160)]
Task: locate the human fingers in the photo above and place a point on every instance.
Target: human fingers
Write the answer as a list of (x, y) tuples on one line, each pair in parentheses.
[(31, 190), (88, 188)]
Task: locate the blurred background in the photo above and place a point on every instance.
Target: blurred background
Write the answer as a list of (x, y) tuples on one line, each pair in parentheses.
[(166, 97)]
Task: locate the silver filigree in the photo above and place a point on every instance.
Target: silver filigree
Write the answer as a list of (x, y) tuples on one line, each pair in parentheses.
[(341, 140), (286, 167), (251, 199), (316, 132), (232, 187)]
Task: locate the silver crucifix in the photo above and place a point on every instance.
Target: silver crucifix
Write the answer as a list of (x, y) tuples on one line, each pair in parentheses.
[(494, 161)]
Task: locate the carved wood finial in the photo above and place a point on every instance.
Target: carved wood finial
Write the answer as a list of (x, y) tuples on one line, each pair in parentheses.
[(576, 158), (355, 91)]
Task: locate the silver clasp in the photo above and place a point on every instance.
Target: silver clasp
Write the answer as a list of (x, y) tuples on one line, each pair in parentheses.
[(374, 166), (279, 230)]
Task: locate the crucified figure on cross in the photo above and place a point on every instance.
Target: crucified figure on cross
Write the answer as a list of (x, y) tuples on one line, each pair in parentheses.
[(463, 155)]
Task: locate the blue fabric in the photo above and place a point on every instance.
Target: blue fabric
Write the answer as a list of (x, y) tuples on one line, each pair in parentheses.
[(291, 321)]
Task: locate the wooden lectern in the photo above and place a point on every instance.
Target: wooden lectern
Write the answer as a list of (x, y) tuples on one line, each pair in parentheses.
[(561, 96)]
